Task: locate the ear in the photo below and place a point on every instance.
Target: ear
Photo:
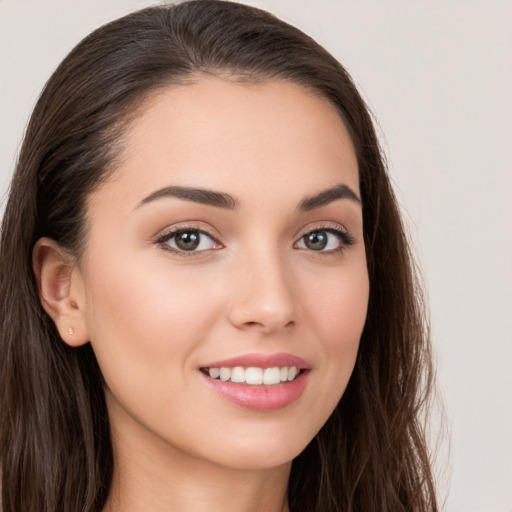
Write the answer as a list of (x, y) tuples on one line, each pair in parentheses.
[(61, 290)]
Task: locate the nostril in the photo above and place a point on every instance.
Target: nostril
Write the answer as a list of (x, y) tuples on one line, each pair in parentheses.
[(256, 325), (266, 327)]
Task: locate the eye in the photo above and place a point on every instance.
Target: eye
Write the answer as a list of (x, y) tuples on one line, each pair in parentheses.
[(325, 240), (183, 240)]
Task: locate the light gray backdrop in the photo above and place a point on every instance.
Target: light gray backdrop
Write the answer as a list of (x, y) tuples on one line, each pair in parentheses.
[(438, 76)]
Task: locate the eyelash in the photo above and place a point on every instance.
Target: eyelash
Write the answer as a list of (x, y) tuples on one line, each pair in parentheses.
[(346, 240), (173, 232)]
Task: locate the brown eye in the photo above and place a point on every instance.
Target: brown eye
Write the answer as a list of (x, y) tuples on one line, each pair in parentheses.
[(316, 240), (325, 240), (187, 240)]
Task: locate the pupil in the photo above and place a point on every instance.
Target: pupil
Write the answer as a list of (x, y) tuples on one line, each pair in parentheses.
[(316, 240), (188, 240)]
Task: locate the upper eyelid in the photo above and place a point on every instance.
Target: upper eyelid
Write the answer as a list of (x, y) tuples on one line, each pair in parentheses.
[(345, 237), (333, 226), (173, 230), (213, 234), (170, 233)]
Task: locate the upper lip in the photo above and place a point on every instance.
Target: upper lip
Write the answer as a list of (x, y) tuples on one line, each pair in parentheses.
[(261, 361)]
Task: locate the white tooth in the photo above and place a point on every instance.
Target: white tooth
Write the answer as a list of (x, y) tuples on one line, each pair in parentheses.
[(283, 374), (214, 373), (225, 373), (237, 374), (292, 373), (254, 375), (271, 376)]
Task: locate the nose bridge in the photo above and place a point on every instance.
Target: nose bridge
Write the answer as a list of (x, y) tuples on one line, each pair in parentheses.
[(263, 291)]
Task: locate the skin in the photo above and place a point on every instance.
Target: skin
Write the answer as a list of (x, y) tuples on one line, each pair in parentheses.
[(154, 317)]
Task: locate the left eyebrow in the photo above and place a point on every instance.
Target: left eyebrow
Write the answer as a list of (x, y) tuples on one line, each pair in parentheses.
[(196, 195), (328, 196)]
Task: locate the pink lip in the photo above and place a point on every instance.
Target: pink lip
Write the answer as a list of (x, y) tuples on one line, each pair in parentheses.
[(261, 361), (261, 398)]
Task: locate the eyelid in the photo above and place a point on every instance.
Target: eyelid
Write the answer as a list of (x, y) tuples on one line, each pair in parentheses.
[(326, 226), (167, 234), (346, 239)]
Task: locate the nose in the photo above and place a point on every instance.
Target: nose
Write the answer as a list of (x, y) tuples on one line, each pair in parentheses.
[(263, 297)]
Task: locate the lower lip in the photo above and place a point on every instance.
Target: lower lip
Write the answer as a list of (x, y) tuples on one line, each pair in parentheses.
[(261, 398)]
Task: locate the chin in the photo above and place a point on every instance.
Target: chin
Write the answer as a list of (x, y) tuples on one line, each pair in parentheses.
[(265, 449)]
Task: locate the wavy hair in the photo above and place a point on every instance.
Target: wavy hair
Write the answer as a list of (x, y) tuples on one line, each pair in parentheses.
[(55, 446)]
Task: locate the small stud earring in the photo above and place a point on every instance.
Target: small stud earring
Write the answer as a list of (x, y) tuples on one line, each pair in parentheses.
[(71, 331)]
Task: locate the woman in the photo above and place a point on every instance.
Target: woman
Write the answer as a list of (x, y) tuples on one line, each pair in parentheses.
[(207, 298)]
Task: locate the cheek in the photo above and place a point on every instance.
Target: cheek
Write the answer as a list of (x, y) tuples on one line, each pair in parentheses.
[(337, 304), (336, 312), (145, 321)]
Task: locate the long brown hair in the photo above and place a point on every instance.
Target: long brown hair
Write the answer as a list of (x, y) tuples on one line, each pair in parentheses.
[(55, 446)]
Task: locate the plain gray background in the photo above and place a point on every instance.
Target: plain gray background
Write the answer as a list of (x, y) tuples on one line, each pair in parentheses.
[(438, 76)]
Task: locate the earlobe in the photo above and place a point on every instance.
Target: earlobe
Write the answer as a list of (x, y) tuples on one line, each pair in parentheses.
[(61, 290)]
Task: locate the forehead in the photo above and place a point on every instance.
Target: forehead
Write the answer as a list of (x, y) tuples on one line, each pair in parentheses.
[(236, 136)]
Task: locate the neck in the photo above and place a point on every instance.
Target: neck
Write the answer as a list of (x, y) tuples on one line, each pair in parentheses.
[(152, 476), (225, 491)]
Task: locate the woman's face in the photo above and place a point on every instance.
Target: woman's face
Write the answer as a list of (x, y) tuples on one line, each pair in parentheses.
[(229, 236)]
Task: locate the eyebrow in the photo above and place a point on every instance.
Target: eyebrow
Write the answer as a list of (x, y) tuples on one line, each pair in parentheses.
[(328, 196), (228, 202), (196, 195)]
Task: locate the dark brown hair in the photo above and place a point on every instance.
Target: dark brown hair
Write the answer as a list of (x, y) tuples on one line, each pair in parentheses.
[(55, 447)]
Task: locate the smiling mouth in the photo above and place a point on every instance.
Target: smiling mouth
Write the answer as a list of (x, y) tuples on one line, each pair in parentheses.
[(254, 376)]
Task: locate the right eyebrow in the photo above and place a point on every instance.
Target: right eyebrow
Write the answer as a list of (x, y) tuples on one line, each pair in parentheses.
[(196, 195), (325, 197)]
